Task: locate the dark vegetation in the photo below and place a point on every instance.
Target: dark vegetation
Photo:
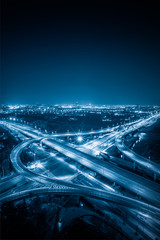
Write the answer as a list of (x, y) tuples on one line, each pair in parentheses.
[(37, 218), (7, 142)]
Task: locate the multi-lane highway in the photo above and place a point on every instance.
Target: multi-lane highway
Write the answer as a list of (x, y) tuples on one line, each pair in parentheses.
[(139, 160), (93, 177)]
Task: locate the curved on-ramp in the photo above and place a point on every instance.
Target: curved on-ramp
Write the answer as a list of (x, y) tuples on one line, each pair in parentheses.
[(66, 187)]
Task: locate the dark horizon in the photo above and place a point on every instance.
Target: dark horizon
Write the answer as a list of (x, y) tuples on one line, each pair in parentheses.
[(59, 53)]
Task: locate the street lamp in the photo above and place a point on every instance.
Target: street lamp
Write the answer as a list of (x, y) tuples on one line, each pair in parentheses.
[(79, 139)]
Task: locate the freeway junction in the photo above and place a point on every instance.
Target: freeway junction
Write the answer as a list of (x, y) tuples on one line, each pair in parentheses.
[(88, 170)]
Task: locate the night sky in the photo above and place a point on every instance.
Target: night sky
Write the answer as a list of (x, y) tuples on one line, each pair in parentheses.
[(56, 52)]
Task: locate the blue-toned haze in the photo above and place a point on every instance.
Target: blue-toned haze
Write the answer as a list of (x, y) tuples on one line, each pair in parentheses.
[(64, 53)]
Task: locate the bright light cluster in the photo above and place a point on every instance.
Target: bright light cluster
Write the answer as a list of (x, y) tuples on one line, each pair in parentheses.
[(79, 139)]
